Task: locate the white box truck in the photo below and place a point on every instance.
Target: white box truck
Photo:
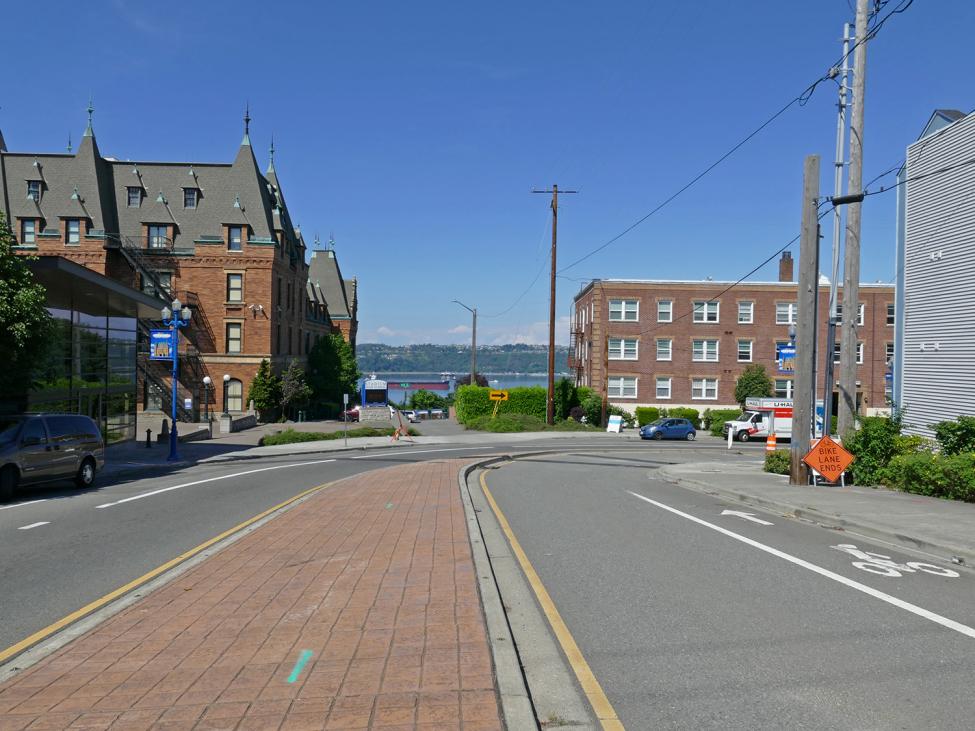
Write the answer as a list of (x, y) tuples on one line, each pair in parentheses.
[(761, 417)]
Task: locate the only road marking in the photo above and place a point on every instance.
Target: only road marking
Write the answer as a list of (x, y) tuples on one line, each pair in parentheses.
[(34, 525), (209, 479), (869, 590), (746, 516), (20, 505)]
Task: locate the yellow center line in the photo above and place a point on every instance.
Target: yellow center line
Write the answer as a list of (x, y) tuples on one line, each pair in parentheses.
[(135, 583), (590, 686)]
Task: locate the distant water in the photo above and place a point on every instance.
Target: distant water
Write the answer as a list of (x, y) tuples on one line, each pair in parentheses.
[(495, 380)]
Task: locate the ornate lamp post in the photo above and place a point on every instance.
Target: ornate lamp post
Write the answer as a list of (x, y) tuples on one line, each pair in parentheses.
[(226, 380), (174, 319)]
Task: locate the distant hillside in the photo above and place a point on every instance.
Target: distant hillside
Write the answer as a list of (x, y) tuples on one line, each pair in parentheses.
[(375, 357)]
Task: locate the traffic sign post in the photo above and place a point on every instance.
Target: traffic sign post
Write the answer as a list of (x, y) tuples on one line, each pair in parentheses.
[(829, 459)]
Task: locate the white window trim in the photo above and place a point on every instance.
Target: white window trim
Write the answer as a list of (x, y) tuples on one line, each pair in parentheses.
[(706, 304), (792, 315), (622, 349), (751, 313), (670, 312), (704, 389), (670, 388), (705, 352), (751, 350), (623, 303), (620, 379), (670, 349)]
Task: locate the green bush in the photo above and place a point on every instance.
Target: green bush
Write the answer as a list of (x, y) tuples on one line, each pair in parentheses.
[(777, 462), (925, 473), (628, 419), (473, 402), (873, 446), (718, 417), (956, 437), (290, 436), (692, 415), (593, 408), (504, 423), (566, 397), (646, 414)]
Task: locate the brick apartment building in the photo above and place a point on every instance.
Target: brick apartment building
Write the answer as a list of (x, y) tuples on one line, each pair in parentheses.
[(685, 343), (217, 236)]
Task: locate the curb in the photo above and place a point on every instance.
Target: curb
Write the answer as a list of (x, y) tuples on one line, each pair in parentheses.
[(517, 709), (827, 520)]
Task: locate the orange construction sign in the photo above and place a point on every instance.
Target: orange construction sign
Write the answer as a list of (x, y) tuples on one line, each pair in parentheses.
[(498, 395), (828, 459)]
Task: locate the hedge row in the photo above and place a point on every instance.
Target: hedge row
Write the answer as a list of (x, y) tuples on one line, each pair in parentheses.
[(947, 476), (647, 414), (473, 402)]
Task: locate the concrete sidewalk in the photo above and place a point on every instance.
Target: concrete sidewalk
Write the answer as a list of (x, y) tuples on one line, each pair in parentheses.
[(356, 608), (942, 527)]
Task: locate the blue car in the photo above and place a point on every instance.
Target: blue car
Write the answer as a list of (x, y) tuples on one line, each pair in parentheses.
[(669, 429)]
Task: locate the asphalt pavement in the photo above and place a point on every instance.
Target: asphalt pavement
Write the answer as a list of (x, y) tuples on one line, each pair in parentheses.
[(697, 612)]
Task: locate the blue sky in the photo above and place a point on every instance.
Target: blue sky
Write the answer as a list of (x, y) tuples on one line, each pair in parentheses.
[(415, 131)]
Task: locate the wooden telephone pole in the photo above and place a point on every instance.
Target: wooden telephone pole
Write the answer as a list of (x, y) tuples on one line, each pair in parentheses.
[(550, 403)]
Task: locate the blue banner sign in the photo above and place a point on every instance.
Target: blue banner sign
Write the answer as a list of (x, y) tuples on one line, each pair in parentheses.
[(785, 359), (161, 345)]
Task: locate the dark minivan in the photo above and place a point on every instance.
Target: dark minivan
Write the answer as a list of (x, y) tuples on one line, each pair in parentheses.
[(38, 448)]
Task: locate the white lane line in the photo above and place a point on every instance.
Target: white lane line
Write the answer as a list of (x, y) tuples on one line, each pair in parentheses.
[(34, 525), (20, 505), (399, 450), (900, 603), (210, 479)]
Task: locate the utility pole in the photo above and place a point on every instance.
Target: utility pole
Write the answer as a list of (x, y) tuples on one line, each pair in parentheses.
[(473, 311), (550, 404), (802, 413), (834, 276), (846, 416)]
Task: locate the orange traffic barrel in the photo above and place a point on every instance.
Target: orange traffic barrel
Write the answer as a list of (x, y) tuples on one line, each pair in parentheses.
[(770, 443)]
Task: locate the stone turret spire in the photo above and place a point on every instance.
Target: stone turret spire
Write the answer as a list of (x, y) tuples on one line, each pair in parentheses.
[(247, 126), (270, 164), (89, 130), (69, 143)]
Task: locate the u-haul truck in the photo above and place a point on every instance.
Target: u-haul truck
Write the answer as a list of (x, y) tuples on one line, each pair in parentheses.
[(761, 417)]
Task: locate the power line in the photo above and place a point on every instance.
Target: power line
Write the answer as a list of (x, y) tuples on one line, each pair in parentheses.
[(801, 100)]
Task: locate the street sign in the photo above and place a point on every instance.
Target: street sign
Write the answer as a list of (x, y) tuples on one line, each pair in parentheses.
[(160, 345), (187, 403), (615, 424), (498, 395), (828, 459)]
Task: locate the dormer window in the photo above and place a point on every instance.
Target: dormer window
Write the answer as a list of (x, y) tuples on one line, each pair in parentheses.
[(34, 190), (233, 238), (190, 197), (134, 197), (28, 231), (72, 231), (158, 237)]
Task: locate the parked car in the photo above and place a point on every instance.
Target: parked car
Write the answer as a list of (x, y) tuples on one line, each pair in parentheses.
[(412, 416), (352, 414), (669, 429), (39, 448)]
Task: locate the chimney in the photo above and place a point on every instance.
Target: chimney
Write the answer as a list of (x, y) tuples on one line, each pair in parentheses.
[(785, 267)]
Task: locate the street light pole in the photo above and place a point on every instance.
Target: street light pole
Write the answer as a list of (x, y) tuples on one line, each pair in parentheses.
[(226, 381), (206, 398), (174, 319), (473, 311)]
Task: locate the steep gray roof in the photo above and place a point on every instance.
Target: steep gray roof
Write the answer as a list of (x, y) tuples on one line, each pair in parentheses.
[(324, 271), (103, 184)]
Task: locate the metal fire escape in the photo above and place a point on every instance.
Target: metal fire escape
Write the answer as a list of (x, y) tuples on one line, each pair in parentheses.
[(577, 363)]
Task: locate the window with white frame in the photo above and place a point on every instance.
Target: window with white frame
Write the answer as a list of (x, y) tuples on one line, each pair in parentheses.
[(663, 387), (704, 389), (746, 313), (861, 312), (665, 349), (622, 386), (785, 313), (622, 349), (889, 353), (837, 353), (624, 310), (783, 388), (890, 313), (705, 351), (665, 310), (744, 351), (706, 311)]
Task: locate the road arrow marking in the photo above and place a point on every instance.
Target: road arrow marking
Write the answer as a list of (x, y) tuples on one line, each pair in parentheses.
[(746, 516)]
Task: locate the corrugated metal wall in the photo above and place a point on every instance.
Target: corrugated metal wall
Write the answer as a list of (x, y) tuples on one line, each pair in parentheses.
[(939, 279)]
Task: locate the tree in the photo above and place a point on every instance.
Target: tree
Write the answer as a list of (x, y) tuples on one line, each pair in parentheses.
[(424, 399), (24, 323), (265, 391), (754, 381), (332, 372), (295, 390)]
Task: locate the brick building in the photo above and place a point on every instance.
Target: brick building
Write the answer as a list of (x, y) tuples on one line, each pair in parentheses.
[(217, 236), (685, 343)]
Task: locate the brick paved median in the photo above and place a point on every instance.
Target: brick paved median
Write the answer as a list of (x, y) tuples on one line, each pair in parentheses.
[(373, 577)]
